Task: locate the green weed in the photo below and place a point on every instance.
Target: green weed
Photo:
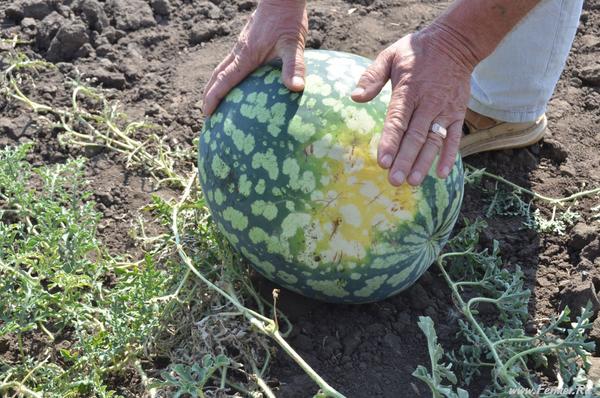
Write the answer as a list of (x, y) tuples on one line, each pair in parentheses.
[(88, 314), (498, 343), (191, 380)]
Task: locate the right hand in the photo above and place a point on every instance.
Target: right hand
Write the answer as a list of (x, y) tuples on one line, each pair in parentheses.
[(277, 29), (430, 73)]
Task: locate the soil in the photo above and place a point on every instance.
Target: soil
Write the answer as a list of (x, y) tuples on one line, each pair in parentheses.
[(156, 55)]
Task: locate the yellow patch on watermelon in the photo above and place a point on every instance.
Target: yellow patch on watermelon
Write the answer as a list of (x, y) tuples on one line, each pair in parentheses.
[(358, 202)]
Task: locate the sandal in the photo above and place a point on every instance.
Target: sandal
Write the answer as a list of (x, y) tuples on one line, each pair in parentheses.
[(481, 134)]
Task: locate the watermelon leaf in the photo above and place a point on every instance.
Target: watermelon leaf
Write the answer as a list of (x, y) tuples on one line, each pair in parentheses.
[(439, 371)]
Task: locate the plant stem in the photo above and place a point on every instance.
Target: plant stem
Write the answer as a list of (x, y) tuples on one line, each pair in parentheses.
[(19, 388), (464, 307), (558, 201), (145, 381), (239, 388), (328, 390), (261, 383), (262, 323)]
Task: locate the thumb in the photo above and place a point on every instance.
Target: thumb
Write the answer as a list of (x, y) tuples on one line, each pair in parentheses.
[(373, 79), (291, 52)]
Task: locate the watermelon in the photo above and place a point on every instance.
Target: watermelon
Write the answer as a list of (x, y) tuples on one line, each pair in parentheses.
[(293, 183)]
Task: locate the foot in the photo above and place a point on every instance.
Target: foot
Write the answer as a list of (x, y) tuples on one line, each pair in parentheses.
[(481, 133)]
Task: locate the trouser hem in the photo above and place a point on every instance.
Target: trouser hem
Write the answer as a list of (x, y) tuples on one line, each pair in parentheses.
[(512, 116)]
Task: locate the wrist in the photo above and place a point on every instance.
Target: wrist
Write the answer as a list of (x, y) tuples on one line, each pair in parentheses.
[(454, 43)]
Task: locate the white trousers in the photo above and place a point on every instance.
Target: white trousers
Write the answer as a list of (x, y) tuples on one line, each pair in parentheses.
[(516, 81)]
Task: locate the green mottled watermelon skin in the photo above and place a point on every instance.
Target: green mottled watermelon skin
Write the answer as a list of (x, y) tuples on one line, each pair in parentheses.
[(292, 182)]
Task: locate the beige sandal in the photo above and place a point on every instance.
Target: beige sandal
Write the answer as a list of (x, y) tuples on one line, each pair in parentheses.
[(481, 134)]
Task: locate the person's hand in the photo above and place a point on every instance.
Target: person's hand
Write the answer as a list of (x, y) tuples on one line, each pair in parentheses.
[(430, 73), (277, 29)]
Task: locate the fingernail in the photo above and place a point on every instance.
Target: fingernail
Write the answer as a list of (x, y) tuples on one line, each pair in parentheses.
[(415, 177), (386, 160), (398, 177), (445, 171), (358, 91), (297, 81)]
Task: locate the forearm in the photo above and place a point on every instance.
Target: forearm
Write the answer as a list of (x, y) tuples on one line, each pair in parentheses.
[(480, 25)]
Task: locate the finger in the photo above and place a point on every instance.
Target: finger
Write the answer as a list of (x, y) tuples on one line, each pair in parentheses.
[(373, 79), (450, 148), (225, 80), (412, 142), (396, 122), (222, 65), (291, 52), (427, 155)]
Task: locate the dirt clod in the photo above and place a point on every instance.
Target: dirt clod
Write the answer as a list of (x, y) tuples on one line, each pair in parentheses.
[(93, 14), (578, 294), (209, 10), (161, 7), (28, 23), (131, 15), (7, 127), (590, 75), (205, 32), (47, 28), (589, 43), (555, 150), (592, 250), (108, 79), (581, 235), (68, 40), (247, 5), (36, 9), (594, 372)]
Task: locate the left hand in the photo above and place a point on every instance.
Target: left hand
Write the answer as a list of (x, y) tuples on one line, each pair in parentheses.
[(430, 72)]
